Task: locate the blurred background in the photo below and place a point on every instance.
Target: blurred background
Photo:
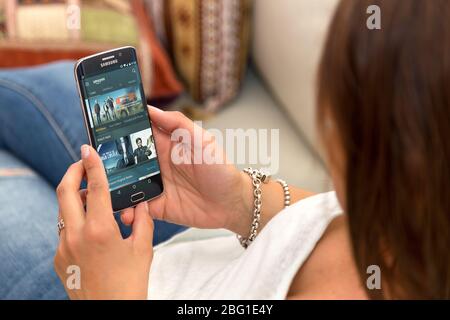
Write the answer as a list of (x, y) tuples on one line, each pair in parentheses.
[(230, 63)]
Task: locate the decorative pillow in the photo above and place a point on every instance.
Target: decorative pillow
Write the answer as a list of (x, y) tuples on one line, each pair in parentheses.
[(208, 40), (71, 29)]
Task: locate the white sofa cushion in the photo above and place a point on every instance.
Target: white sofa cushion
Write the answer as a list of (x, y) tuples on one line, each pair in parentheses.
[(254, 108), (288, 36)]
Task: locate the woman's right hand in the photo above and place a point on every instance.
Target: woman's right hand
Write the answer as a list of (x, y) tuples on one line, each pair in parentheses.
[(198, 195)]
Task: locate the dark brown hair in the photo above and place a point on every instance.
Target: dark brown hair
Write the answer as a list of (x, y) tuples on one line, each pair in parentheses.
[(388, 92)]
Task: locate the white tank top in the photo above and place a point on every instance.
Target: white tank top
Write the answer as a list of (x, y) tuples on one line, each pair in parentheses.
[(211, 264)]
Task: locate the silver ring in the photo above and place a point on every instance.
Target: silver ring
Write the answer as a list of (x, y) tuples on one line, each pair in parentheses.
[(60, 225)]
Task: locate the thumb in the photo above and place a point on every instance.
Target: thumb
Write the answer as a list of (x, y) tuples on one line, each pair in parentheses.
[(170, 120), (142, 233)]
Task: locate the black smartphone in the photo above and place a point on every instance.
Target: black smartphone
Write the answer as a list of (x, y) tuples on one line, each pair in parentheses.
[(118, 125)]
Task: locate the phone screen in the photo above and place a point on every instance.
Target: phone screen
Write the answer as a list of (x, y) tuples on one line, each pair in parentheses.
[(120, 129)]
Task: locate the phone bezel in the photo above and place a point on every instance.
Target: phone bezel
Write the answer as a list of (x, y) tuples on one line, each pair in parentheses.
[(119, 202)]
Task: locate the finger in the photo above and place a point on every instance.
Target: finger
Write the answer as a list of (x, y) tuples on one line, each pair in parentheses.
[(59, 261), (60, 231), (156, 207), (159, 134), (142, 233), (170, 120), (83, 194), (70, 203), (127, 216), (98, 199)]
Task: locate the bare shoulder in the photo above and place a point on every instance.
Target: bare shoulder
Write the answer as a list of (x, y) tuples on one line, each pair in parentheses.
[(330, 271)]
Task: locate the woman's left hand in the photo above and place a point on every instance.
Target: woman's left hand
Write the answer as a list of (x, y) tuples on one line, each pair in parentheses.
[(109, 266)]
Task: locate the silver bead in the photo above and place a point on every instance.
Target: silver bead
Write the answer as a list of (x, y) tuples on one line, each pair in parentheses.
[(286, 192)]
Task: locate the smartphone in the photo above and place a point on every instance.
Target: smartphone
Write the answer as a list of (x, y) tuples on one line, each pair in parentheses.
[(118, 125)]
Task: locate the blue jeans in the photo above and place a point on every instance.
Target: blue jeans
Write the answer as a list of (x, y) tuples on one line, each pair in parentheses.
[(41, 131)]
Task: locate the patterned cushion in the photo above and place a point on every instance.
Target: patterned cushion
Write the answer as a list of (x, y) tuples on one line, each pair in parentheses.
[(208, 40)]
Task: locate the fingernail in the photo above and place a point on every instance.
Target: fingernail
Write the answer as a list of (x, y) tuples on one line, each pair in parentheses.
[(85, 150)]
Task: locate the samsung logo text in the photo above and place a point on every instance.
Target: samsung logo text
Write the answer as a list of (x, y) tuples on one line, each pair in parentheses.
[(108, 63)]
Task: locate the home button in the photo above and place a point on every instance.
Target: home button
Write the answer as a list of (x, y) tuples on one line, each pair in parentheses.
[(137, 196)]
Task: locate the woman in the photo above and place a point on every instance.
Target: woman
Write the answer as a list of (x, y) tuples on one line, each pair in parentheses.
[(383, 118)]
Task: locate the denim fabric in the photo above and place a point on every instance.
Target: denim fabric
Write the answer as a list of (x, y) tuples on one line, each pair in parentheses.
[(40, 118), (28, 235)]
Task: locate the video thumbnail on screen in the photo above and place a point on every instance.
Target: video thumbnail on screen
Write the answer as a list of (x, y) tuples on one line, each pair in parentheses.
[(116, 105), (127, 151), (143, 145)]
